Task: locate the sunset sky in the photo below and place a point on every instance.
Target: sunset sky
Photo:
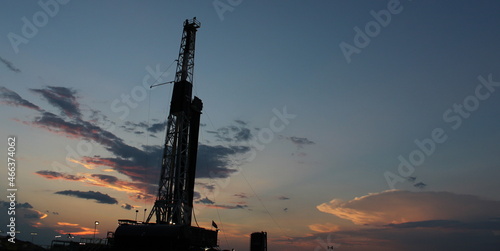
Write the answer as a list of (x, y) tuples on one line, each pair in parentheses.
[(357, 125)]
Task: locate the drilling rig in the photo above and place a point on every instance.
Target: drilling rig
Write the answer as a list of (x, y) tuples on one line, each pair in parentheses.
[(173, 207)]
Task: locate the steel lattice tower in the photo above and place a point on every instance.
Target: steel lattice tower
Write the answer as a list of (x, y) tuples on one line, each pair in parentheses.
[(174, 202)]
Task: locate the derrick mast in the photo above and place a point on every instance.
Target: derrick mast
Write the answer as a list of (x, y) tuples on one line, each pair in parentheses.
[(173, 207), (174, 201)]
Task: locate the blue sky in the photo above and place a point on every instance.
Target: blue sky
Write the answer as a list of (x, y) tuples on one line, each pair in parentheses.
[(319, 178)]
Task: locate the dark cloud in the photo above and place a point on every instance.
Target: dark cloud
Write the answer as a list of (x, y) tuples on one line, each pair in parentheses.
[(140, 189), (140, 164), (76, 129), (9, 65), (54, 213), (196, 195), (241, 195), (12, 98), (241, 122), (233, 133), (450, 224), (57, 175), (239, 206), (215, 161), (90, 195), (243, 135), (205, 200), (27, 214), (62, 98), (420, 185), (209, 187), (133, 168), (283, 198), (127, 206), (300, 142), (157, 127), (129, 160), (106, 178), (138, 128), (18, 205), (34, 215)]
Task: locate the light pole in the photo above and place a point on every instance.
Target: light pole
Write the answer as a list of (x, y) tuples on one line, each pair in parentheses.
[(95, 227), (33, 236), (144, 218), (136, 211)]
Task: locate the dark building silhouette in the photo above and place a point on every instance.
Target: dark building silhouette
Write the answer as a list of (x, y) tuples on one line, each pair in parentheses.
[(258, 241)]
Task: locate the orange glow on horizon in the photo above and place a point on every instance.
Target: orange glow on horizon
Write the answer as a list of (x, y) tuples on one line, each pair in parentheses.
[(75, 229)]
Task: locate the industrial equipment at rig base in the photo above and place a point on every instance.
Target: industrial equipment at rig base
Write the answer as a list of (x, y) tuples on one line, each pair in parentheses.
[(174, 203)]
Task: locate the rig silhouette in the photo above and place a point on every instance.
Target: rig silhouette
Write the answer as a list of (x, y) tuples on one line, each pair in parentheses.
[(173, 207)]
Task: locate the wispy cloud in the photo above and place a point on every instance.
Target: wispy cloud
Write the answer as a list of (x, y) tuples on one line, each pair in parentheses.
[(324, 227), (227, 206), (62, 98), (300, 142), (90, 195), (235, 133), (141, 127), (450, 224), (405, 206), (57, 175), (205, 201), (9, 65), (10, 97), (241, 195), (134, 189)]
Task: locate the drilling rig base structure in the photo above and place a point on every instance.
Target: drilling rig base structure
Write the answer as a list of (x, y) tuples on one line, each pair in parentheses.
[(173, 207)]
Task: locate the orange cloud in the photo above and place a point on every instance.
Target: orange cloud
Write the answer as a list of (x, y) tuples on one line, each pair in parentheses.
[(42, 215), (137, 190), (324, 228), (75, 229), (57, 175), (89, 166), (405, 206)]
